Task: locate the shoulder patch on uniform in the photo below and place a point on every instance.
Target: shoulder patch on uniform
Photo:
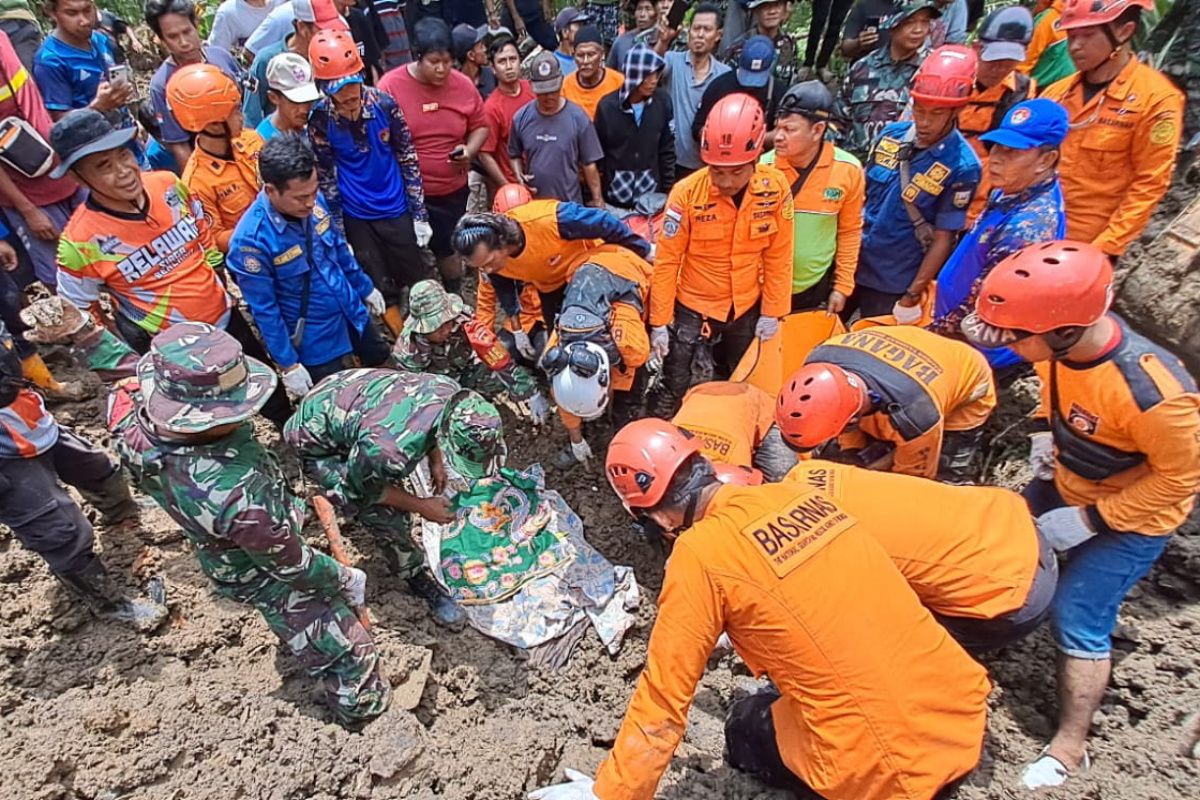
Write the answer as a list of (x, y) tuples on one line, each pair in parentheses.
[(962, 199), (252, 264), (790, 536), (1163, 131)]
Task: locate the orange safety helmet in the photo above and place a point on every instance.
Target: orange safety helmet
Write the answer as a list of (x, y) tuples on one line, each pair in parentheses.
[(509, 196), (816, 404), (946, 77), (643, 457), (734, 475), (333, 54), (1046, 287), (200, 95), (734, 132), (1086, 13)]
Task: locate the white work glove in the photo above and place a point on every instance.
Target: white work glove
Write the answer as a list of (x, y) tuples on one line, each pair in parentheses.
[(1065, 527), (579, 787), (375, 303), (581, 450), (297, 382), (906, 315), (1041, 455), (766, 328), (524, 345), (353, 585), (424, 232), (539, 409), (660, 341)]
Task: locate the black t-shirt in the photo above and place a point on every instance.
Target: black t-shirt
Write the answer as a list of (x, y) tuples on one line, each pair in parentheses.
[(868, 14), (726, 84)]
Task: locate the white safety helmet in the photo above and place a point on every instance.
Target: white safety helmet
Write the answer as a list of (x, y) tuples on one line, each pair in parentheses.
[(581, 387)]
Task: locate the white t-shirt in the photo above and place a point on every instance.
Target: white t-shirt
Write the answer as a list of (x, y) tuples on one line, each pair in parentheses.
[(235, 20), (273, 29)]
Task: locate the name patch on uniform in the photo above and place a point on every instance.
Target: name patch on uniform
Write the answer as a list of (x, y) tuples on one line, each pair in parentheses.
[(888, 145), (287, 255), (1083, 420), (789, 537)]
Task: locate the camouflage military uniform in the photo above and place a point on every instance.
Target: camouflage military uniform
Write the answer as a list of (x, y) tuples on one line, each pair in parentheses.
[(787, 63), (1181, 61), (362, 430), (233, 503), (874, 93)]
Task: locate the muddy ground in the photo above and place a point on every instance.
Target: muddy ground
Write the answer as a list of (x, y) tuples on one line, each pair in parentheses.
[(207, 709)]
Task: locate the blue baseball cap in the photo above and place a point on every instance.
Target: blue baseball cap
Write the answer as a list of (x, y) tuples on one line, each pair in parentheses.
[(754, 64), (1030, 124)]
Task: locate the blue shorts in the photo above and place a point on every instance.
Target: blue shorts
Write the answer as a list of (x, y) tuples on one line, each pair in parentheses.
[(1094, 580)]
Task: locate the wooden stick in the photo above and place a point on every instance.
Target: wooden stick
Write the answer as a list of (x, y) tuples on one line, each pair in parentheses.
[(337, 547)]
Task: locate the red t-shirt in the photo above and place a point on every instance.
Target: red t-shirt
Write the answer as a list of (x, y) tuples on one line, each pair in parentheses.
[(498, 112), (439, 118), (28, 105)]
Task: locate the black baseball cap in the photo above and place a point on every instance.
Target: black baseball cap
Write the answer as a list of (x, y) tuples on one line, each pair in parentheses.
[(82, 132)]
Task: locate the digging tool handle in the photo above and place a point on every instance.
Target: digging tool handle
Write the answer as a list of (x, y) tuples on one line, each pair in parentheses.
[(336, 547)]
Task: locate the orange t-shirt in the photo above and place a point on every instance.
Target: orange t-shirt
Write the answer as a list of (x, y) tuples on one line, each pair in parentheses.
[(588, 99)]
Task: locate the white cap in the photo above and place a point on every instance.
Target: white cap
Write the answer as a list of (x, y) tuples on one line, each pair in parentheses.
[(303, 10), (292, 76)]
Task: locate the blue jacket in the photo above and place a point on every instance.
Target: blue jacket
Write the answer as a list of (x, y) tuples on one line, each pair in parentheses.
[(268, 259)]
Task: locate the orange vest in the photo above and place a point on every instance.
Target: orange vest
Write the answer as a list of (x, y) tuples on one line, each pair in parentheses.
[(976, 118), (548, 260), (878, 702), (730, 419)]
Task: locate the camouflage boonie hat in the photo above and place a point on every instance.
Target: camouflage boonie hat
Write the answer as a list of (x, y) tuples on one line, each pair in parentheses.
[(471, 435), (430, 307), (907, 10), (196, 377)]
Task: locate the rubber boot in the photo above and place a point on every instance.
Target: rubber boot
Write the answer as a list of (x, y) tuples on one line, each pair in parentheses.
[(444, 610), (36, 372), (394, 320), (112, 500), (106, 600)]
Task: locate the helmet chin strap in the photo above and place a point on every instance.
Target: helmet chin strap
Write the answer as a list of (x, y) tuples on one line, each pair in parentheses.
[(689, 513)]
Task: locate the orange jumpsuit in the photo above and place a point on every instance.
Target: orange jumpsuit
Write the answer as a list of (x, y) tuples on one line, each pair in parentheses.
[(1136, 399), (225, 187), (877, 702), (730, 419), (928, 385), (1119, 154), (967, 551), (981, 113), (719, 260)]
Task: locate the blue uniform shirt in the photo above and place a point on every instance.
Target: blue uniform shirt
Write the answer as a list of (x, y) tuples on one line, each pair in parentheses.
[(1008, 224), (267, 254), (944, 178), (69, 77)]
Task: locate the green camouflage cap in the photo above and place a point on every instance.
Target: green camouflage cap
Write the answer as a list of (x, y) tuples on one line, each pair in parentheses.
[(472, 435), (907, 10), (430, 307), (196, 377)]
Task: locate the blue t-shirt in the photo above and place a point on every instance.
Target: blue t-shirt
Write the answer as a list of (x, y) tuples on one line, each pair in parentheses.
[(69, 77), (369, 181), (267, 130), (169, 130), (160, 158), (566, 62), (944, 178)]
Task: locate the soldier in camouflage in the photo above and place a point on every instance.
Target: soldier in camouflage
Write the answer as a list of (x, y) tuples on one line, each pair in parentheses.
[(180, 419), (362, 432), (875, 90), (442, 337)]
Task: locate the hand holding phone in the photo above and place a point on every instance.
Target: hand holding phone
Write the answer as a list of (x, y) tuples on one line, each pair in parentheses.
[(458, 154)]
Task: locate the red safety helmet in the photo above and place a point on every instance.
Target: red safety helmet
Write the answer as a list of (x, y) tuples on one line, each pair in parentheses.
[(737, 476), (510, 196), (816, 404), (1086, 13), (643, 457), (200, 95), (946, 77), (333, 54), (734, 132), (1046, 287)]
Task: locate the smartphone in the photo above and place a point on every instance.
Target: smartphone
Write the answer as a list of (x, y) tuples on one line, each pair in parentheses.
[(675, 16), (872, 25), (123, 73), (457, 152)]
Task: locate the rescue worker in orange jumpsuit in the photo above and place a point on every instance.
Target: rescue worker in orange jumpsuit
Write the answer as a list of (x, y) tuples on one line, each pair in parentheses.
[(972, 554), (541, 243), (523, 331), (603, 316), (927, 395), (1126, 119), (999, 85), (872, 698), (723, 268), (222, 172), (735, 424), (1116, 470)]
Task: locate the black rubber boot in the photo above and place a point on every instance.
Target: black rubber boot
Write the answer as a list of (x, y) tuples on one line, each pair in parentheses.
[(112, 499), (445, 611), (106, 600)]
